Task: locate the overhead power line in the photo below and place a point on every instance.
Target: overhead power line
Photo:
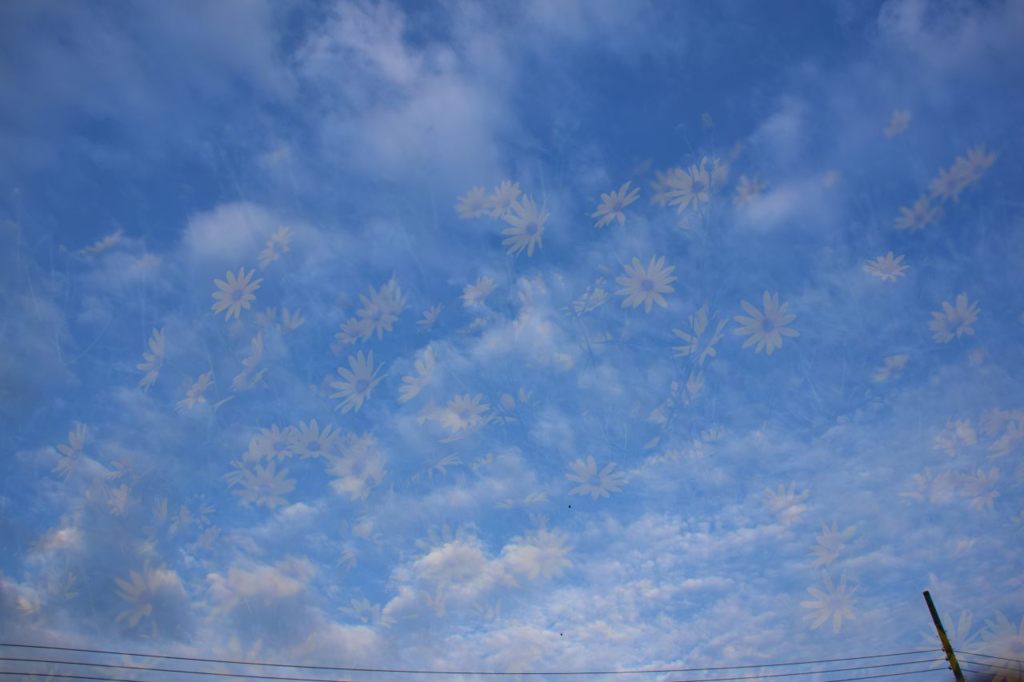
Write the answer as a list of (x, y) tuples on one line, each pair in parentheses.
[(812, 672), (408, 671), (993, 674), (1016, 668), (969, 669), (125, 666), (144, 668), (713, 679), (80, 677), (1001, 658)]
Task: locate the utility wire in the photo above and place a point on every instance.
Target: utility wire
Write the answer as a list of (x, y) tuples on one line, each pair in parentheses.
[(834, 670), (1011, 660), (869, 677), (810, 672), (402, 671), (985, 672), (320, 679), (991, 665), (713, 679), (1018, 668), (144, 668), (991, 674), (76, 677)]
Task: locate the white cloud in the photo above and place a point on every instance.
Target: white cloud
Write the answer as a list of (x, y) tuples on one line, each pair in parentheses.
[(462, 569), (123, 269), (331, 642), (534, 337), (461, 573), (398, 110), (627, 29), (364, 36), (65, 538), (284, 526), (146, 68), (781, 136), (954, 36), (264, 582), (458, 573), (553, 429), (234, 231), (507, 477), (802, 203)]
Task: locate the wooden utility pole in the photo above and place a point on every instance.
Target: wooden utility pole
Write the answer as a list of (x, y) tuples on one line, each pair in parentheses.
[(950, 654)]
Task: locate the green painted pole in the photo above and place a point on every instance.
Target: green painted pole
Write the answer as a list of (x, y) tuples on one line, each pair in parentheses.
[(950, 654)]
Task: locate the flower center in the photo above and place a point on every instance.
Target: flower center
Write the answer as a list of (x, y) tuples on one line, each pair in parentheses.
[(362, 385), (237, 294), (313, 445), (531, 229), (768, 324), (646, 284)]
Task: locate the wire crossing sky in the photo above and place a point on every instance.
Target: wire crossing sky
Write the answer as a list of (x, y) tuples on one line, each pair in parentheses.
[(908, 658), (545, 335), (138, 662)]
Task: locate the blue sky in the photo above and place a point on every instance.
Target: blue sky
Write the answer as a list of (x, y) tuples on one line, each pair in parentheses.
[(548, 335)]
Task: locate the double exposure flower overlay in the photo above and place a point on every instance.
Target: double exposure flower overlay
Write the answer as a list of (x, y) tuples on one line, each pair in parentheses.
[(510, 337)]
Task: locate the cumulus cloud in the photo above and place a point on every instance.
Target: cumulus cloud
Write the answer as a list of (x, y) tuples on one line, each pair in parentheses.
[(268, 583), (233, 231), (802, 203), (401, 109)]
